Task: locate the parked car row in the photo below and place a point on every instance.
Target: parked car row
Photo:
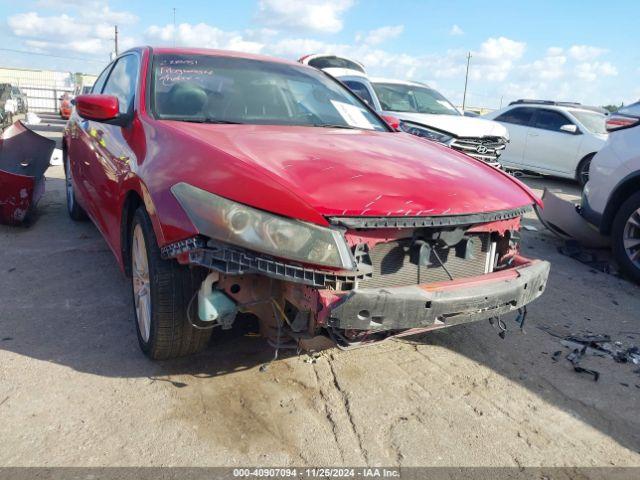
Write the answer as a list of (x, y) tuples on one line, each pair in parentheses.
[(229, 183), (422, 110), (12, 102), (538, 136)]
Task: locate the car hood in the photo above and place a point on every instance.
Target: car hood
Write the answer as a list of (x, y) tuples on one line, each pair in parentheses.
[(456, 125), (353, 172)]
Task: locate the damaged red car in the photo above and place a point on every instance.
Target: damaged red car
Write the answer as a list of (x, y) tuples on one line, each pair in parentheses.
[(229, 183)]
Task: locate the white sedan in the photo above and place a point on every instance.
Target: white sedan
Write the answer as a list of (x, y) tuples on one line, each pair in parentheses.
[(552, 138)]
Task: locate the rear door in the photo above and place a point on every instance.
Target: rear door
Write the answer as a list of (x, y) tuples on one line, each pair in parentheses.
[(549, 148), (517, 121)]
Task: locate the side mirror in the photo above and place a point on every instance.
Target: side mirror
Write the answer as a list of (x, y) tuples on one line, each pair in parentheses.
[(99, 108), (393, 122), (569, 128)]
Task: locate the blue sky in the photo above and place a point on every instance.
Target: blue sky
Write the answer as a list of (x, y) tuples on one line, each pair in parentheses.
[(568, 50)]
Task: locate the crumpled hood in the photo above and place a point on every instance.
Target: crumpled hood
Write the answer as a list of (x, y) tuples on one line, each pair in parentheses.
[(356, 172), (456, 125)]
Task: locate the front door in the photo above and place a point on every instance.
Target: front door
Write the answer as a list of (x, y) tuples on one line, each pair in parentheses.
[(548, 147)]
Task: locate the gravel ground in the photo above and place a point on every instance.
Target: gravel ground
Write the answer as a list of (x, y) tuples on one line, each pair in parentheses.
[(76, 391)]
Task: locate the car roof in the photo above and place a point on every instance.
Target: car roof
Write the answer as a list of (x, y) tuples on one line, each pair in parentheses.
[(217, 53), (345, 72), (550, 104), (398, 82)]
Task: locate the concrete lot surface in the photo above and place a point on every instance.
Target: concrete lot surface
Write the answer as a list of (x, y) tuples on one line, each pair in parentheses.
[(75, 390)]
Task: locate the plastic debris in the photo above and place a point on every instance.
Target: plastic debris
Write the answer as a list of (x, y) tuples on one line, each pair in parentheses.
[(573, 249), (56, 158), (32, 119)]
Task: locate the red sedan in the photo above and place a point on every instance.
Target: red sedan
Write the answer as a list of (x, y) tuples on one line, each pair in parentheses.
[(228, 183)]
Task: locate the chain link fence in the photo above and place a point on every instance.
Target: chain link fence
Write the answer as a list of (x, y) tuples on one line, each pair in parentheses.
[(43, 88)]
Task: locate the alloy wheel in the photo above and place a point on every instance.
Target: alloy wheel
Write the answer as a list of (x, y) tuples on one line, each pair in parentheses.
[(631, 238), (141, 283)]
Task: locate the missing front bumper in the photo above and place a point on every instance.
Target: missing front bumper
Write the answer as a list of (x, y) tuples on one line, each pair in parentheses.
[(441, 304)]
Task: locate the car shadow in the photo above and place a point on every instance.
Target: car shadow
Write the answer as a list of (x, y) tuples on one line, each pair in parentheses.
[(64, 300)]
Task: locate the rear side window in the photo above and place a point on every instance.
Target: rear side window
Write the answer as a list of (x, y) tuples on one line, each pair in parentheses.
[(122, 81), (633, 110), (517, 116), (361, 90), (334, 62), (550, 120)]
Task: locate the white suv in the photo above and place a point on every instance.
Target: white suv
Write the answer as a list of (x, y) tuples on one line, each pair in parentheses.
[(552, 138), (611, 198), (422, 111)]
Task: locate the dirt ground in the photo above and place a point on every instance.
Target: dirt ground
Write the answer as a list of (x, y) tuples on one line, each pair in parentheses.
[(75, 390)]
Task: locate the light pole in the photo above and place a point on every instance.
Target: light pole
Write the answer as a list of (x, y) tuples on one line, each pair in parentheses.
[(466, 79), (115, 40)]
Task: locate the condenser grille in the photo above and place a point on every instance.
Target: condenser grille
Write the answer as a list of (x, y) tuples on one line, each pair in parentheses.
[(394, 263)]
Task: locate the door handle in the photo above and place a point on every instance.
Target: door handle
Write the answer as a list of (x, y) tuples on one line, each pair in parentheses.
[(534, 134)]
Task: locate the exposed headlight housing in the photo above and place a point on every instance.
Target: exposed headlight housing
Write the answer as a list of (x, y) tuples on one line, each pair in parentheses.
[(253, 229), (424, 132)]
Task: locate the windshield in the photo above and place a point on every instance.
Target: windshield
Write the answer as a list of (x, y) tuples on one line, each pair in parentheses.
[(592, 121), (397, 97), (217, 89)]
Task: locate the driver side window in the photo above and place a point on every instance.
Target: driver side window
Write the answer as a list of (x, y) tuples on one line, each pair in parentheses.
[(122, 82), (550, 120)]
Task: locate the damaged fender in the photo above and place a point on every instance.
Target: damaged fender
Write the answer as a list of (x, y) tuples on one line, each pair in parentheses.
[(24, 157)]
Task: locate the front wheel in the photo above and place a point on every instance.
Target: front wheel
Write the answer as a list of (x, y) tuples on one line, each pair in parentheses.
[(626, 237), (163, 297)]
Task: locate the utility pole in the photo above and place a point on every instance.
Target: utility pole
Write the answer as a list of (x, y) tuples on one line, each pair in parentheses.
[(115, 40), (174, 26), (466, 79)]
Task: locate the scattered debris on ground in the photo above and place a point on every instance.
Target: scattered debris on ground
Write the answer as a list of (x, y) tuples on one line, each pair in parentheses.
[(573, 249), (598, 345)]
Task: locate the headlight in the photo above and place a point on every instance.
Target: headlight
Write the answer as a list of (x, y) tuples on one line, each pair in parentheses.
[(424, 132), (247, 227)]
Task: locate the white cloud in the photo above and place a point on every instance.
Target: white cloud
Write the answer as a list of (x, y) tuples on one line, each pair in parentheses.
[(584, 53), (590, 72), (496, 58), (324, 16), (550, 67), (382, 34), (203, 35), (88, 29), (456, 30), (92, 33)]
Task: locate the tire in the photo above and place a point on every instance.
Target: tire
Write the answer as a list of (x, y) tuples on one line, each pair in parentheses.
[(582, 172), (162, 324), (626, 237), (76, 212)]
